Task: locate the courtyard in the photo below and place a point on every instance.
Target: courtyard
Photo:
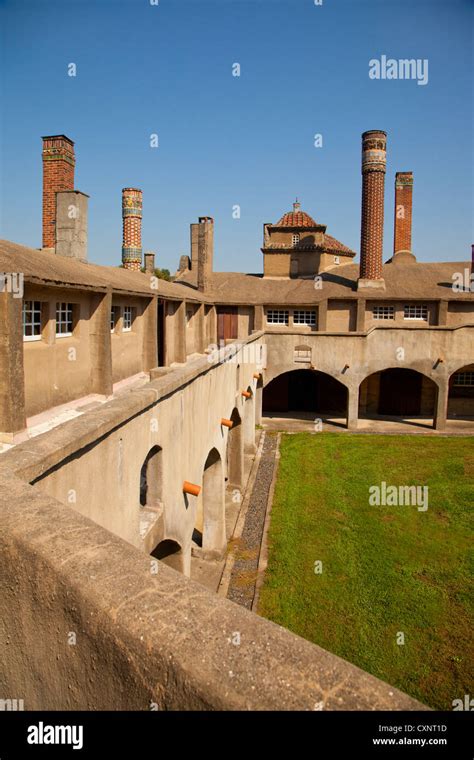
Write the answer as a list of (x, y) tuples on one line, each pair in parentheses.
[(383, 586)]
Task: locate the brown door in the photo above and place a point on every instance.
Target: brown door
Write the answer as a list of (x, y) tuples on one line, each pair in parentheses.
[(227, 328)]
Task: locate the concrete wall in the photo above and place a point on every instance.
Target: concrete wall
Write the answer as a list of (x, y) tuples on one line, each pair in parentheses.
[(146, 637), (181, 413), (57, 369)]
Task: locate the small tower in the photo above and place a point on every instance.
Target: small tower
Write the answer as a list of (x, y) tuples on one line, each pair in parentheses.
[(132, 228)]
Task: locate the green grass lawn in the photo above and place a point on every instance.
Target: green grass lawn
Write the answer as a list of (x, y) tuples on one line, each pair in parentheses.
[(385, 569)]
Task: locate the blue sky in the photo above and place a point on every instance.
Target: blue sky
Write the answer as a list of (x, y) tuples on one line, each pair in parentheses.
[(223, 140)]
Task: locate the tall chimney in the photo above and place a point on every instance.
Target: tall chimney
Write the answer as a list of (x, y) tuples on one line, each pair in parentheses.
[(71, 224), (403, 210), (374, 146), (205, 256), (58, 174), (132, 228), (149, 262)]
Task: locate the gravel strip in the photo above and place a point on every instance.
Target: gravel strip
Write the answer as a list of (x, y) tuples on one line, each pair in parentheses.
[(244, 573)]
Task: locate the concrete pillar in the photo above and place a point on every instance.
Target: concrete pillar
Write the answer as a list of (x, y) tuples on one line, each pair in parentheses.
[(150, 335), (12, 379), (360, 322), (442, 313), (441, 407), (175, 326), (71, 224), (101, 344), (249, 425), (352, 407), (258, 403), (323, 315), (211, 326), (259, 317), (200, 330)]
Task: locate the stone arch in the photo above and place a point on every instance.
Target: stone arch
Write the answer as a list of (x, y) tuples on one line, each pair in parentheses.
[(151, 479), (461, 393), (209, 529), (170, 552), (235, 451), (398, 392), (305, 390)]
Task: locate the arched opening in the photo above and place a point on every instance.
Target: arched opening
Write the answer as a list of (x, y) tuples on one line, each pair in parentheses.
[(305, 391), (235, 451), (151, 479), (209, 531), (461, 393), (169, 552), (397, 392)]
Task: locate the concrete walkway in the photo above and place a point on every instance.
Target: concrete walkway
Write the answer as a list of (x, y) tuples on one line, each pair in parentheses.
[(245, 566), (298, 422)]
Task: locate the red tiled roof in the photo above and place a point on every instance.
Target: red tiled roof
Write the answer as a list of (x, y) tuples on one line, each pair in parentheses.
[(296, 219), (331, 244)]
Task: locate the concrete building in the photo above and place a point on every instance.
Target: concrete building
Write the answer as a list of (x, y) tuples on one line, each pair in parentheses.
[(159, 386)]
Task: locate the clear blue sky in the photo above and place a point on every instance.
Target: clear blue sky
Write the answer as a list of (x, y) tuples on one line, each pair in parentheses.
[(167, 69)]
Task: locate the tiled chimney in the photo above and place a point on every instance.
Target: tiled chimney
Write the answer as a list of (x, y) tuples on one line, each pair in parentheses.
[(403, 211), (58, 174), (374, 145), (205, 241), (132, 228), (149, 262)]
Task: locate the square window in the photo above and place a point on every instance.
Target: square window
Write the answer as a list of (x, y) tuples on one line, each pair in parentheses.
[(114, 317), (416, 311), (31, 320), (128, 318), (303, 317), (277, 317), (383, 312), (64, 319)]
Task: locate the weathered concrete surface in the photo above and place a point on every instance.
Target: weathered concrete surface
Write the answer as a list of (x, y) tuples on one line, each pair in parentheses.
[(143, 638)]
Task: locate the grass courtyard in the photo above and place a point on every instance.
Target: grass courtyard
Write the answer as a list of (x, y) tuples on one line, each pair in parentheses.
[(386, 570)]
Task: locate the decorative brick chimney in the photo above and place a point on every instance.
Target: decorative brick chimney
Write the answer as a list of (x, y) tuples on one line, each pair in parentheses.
[(374, 146), (58, 175), (132, 228), (403, 211)]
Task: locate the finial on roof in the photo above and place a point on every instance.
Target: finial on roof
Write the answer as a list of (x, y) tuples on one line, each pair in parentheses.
[(296, 205)]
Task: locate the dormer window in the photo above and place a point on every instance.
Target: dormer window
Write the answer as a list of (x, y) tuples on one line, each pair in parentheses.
[(295, 239)]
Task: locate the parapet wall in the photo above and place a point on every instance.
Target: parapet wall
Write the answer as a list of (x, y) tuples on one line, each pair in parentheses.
[(143, 638)]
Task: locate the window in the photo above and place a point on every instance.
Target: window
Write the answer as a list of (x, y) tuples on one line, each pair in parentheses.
[(464, 379), (383, 312), (304, 318), (277, 317), (302, 354), (416, 311), (114, 317), (128, 317), (64, 320), (295, 239), (31, 320)]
